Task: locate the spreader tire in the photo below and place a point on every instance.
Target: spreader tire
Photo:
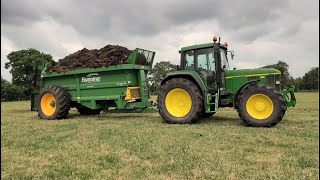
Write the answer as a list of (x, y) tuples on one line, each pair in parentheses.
[(53, 103)]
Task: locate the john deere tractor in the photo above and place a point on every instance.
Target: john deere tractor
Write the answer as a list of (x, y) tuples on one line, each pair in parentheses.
[(203, 83)]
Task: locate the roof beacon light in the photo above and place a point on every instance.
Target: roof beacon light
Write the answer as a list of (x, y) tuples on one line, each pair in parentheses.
[(214, 38), (226, 44)]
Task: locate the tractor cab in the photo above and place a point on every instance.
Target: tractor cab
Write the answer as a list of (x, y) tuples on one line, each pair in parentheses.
[(209, 61)]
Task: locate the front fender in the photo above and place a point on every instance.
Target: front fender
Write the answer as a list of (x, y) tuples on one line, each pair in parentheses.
[(242, 87), (191, 75)]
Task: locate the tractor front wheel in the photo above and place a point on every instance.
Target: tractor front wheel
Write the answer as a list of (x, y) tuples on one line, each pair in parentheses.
[(53, 102), (180, 101), (261, 105)]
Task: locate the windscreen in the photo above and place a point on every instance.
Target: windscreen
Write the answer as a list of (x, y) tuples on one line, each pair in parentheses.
[(224, 59)]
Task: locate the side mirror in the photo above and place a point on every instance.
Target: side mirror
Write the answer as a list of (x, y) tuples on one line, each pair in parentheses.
[(231, 53), (223, 68)]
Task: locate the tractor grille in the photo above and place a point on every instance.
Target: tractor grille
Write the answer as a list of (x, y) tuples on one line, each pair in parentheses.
[(274, 81), (253, 78), (278, 78), (271, 80)]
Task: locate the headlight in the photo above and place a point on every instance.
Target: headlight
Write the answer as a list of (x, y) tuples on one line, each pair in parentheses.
[(277, 82)]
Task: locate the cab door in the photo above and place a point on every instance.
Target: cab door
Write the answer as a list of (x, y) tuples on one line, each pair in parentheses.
[(205, 66)]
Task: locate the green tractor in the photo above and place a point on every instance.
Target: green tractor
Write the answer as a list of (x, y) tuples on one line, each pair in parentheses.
[(203, 83)]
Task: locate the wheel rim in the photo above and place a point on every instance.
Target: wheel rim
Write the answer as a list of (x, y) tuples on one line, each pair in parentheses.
[(259, 106), (48, 104), (178, 102)]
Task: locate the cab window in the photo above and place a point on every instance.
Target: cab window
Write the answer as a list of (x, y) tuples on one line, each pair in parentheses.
[(205, 59), (202, 59), (189, 60)]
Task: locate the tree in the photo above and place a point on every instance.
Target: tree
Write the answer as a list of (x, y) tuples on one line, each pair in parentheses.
[(310, 81), (10, 92), (283, 67), (298, 83), (23, 64), (4, 87), (158, 73)]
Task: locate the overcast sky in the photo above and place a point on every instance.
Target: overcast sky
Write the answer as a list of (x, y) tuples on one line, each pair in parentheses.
[(260, 32)]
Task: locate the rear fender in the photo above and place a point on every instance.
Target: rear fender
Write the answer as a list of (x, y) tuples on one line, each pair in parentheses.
[(193, 76)]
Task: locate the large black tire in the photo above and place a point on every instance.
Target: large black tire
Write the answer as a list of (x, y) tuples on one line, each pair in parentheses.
[(53, 103), (196, 101), (262, 99), (87, 111)]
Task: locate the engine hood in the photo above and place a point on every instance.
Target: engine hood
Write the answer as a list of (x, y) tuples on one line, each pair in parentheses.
[(250, 72)]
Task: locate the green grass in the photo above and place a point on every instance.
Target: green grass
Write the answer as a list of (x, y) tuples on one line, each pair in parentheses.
[(142, 146)]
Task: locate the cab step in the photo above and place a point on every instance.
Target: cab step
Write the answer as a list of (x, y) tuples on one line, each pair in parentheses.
[(212, 100)]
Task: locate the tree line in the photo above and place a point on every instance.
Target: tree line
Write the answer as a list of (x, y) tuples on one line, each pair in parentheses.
[(310, 80), (24, 64)]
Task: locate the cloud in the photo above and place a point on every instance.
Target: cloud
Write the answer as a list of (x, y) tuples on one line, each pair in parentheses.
[(6, 47), (261, 32)]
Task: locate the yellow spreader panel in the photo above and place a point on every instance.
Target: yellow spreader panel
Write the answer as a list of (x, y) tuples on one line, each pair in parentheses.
[(48, 104), (178, 102), (133, 93), (259, 106)]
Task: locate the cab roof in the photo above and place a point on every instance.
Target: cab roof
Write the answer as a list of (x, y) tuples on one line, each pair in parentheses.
[(199, 46)]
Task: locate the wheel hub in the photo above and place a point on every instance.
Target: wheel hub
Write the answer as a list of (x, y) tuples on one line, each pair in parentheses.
[(259, 106), (53, 103), (178, 102), (181, 102), (48, 104)]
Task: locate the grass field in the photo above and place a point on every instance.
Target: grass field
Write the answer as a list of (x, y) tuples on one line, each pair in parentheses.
[(142, 146)]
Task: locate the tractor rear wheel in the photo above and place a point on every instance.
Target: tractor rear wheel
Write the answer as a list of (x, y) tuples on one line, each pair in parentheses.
[(261, 105), (53, 103), (180, 101)]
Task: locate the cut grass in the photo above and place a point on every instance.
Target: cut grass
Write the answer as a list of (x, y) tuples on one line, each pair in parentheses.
[(142, 146)]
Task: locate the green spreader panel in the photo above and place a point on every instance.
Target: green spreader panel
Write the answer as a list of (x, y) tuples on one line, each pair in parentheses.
[(105, 87)]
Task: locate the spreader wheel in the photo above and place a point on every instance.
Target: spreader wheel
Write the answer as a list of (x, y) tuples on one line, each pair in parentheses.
[(53, 103)]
